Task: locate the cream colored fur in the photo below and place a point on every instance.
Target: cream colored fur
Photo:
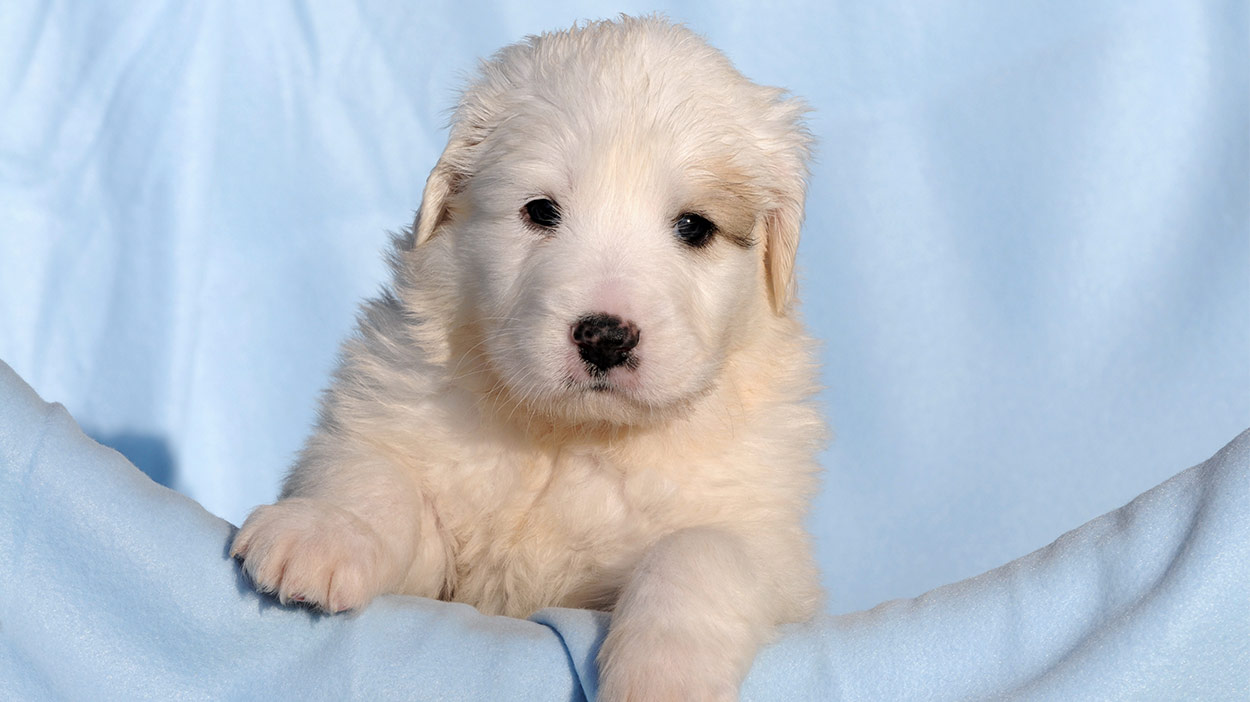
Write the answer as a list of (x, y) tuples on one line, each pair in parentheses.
[(462, 451)]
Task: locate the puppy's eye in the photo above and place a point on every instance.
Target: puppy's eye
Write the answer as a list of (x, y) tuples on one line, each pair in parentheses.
[(694, 230), (543, 213)]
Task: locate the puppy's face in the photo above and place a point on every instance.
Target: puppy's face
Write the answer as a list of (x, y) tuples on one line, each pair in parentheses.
[(611, 276), (611, 229)]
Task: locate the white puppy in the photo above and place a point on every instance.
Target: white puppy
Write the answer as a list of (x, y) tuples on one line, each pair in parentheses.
[(585, 386)]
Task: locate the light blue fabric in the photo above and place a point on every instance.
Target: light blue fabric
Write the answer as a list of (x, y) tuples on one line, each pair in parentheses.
[(113, 587), (1026, 253)]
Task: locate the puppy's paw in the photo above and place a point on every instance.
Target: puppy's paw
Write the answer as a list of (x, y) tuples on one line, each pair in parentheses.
[(310, 551), (652, 665)]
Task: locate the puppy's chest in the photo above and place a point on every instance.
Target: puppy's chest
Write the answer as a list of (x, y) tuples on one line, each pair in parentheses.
[(560, 528)]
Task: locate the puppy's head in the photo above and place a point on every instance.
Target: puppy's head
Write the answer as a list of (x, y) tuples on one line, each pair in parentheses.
[(622, 209)]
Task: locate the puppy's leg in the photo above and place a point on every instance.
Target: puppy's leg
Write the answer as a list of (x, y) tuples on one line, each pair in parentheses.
[(351, 525), (690, 619)]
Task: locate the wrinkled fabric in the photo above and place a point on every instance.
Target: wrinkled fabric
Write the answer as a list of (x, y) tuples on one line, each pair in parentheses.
[(114, 587), (1025, 255)]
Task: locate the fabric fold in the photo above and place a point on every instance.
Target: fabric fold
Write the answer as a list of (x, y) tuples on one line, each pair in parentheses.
[(114, 587)]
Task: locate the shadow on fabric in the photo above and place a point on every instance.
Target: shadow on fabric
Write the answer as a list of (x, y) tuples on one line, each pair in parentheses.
[(150, 453)]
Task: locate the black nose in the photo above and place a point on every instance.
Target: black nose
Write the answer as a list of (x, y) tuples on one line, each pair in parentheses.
[(604, 340)]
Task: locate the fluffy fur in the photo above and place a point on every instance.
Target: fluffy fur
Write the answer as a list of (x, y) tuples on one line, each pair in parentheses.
[(467, 452)]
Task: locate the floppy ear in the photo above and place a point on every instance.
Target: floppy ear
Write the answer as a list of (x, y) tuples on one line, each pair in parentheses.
[(783, 218), (476, 116), (781, 248), (445, 180)]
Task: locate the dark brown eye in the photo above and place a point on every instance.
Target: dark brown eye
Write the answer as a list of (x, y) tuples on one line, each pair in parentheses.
[(694, 230), (543, 213)]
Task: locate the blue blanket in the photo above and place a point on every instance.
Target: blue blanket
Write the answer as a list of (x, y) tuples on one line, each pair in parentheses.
[(1025, 250), (112, 586)]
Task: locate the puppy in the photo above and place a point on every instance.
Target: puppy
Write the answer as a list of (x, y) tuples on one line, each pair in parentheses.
[(586, 385)]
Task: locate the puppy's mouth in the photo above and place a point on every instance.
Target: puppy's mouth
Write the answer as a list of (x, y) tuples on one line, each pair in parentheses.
[(598, 384)]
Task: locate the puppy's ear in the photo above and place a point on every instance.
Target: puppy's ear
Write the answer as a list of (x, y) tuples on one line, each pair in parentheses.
[(789, 145), (447, 179), (477, 115), (781, 248)]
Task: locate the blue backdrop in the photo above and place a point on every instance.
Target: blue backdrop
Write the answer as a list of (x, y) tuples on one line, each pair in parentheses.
[(1027, 250)]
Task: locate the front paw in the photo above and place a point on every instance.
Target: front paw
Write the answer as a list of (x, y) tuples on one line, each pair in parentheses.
[(310, 551), (638, 664)]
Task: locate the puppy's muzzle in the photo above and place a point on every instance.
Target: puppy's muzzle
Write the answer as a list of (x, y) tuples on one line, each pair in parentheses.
[(605, 341)]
